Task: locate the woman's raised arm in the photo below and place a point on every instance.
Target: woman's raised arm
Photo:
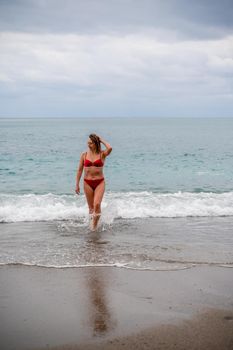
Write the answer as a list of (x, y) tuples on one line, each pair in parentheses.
[(108, 147)]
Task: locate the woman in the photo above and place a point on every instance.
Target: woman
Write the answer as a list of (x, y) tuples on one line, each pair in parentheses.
[(94, 185)]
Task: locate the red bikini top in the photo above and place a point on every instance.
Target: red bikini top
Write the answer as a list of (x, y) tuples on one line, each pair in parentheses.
[(97, 163)]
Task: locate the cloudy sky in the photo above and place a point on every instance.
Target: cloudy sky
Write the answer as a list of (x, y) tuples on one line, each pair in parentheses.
[(79, 58)]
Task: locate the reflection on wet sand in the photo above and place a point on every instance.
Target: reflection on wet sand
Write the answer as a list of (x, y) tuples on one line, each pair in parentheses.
[(101, 319)]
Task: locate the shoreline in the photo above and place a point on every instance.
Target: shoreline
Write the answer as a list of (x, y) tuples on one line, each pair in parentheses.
[(104, 307), (193, 265)]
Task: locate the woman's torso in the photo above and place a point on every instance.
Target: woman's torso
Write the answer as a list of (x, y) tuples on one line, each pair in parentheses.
[(93, 168)]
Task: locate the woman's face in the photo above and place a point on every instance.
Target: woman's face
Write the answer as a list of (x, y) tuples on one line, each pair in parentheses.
[(91, 144)]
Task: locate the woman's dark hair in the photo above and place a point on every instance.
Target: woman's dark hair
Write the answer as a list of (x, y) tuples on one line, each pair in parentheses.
[(96, 140)]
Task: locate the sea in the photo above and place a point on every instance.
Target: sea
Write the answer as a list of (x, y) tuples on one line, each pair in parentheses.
[(168, 202)]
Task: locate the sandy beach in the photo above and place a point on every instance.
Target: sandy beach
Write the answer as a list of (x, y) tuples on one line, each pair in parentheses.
[(114, 308)]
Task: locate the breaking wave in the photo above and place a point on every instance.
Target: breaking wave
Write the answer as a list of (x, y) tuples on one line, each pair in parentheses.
[(126, 205)]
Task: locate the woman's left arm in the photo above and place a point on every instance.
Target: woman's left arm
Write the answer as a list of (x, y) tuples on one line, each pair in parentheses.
[(108, 147)]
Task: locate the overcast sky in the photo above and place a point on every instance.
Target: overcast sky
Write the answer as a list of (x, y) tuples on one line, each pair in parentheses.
[(109, 58)]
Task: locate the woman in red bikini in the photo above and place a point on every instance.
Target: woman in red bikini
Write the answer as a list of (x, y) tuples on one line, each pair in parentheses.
[(94, 185)]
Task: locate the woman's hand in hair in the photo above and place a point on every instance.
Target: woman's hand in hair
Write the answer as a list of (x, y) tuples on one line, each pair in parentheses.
[(108, 147)]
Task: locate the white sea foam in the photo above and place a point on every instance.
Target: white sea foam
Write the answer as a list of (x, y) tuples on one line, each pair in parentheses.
[(132, 266), (128, 205)]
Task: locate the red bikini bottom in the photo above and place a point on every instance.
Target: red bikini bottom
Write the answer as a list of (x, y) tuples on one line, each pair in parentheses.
[(94, 183)]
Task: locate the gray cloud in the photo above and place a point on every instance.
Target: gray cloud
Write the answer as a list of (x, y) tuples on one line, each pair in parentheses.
[(72, 70), (116, 58), (196, 19)]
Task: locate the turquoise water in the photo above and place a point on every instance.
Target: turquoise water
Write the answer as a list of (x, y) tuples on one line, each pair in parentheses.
[(160, 155), (159, 170)]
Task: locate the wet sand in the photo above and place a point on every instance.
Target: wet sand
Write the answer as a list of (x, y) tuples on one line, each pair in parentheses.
[(114, 308)]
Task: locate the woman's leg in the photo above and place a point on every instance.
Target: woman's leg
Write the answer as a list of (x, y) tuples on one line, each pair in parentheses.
[(98, 196), (89, 193)]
